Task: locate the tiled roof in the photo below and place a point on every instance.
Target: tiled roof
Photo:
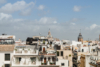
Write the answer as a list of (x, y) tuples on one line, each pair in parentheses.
[(7, 47)]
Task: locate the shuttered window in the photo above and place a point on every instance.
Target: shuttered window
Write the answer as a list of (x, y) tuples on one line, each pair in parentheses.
[(7, 57)]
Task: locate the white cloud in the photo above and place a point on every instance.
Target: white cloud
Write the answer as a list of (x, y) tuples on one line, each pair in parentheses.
[(41, 7), (93, 26), (74, 20), (25, 12), (5, 16), (43, 20), (77, 8), (73, 23), (47, 20), (55, 22), (19, 27), (2, 1), (18, 6)]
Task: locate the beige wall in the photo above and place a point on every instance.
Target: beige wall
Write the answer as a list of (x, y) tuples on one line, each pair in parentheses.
[(80, 53), (66, 54)]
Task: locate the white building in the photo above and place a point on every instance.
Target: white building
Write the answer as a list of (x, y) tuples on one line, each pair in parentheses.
[(25, 56), (6, 54)]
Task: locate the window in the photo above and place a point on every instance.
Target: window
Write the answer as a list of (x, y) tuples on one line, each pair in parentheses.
[(66, 57), (93, 50), (61, 53), (56, 59), (19, 59), (53, 58), (7, 57), (82, 50), (64, 43), (48, 58), (41, 58), (62, 64), (33, 59), (50, 42), (40, 49), (58, 47), (68, 63), (7, 65), (57, 53)]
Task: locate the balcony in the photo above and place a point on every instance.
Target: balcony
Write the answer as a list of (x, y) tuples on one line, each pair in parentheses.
[(98, 49), (93, 63), (47, 53), (48, 63), (21, 61), (49, 66), (94, 58), (25, 52)]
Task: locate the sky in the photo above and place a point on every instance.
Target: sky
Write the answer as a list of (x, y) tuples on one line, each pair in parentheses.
[(64, 18)]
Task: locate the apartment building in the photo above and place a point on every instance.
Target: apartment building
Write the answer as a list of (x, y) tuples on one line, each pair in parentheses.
[(89, 58), (36, 40), (7, 39), (6, 49), (25, 56)]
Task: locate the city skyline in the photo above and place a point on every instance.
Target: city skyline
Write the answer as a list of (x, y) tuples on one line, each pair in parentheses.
[(24, 18)]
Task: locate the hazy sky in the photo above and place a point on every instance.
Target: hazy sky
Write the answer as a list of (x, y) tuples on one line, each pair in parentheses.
[(65, 18)]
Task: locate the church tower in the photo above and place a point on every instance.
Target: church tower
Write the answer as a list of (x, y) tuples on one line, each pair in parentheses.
[(49, 34), (80, 38)]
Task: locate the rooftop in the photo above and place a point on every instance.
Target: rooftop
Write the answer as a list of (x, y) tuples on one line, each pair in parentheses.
[(7, 47)]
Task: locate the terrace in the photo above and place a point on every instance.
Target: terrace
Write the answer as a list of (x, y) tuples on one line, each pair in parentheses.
[(25, 50)]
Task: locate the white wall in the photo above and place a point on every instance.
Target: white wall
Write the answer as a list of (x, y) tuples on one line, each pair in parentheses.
[(87, 61), (2, 58), (62, 61), (86, 49), (74, 43), (92, 47)]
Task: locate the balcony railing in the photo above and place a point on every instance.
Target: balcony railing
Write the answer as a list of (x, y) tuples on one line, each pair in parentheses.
[(45, 53), (33, 52), (93, 64), (48, 63), (25, 51), (24, 63)]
